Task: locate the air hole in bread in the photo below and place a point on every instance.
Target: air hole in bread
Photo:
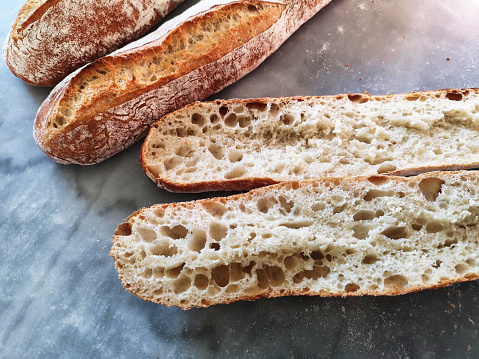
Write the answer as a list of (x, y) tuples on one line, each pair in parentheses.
[(147, 235), (236, 272), (173, 163), (431, 188), (197, 241), (450, 242), (378, 180), (181, 132), (434, 227), (376, 193), (340, 209), (416, 226), (361, 231), (198, 119), (285, 204), (221, 275), (214, 208), (386, 167), (471, 262), (215, 246), (364, 215), (461, 268), (275, 275), (201, 281), (260, 106), (185, 151), (454, 96), (238, 170), (297, 224), (181, 285), (316, 207), (244, 121), (351, 287), (223, 111), (176, 232), (317, 272), (217, 231), (217, 151), (262, 278), (287, 119), (290, 262), (174, 272), (163, 248), (395, 232), (370, 259), (357, 98), (265, 204), (147, 273), (412, 97), (398, 281), (235, 156)]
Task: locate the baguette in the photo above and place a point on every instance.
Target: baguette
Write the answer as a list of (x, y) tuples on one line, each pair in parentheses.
[(108, 105), (52, 38), (377, 235), (242, 144)]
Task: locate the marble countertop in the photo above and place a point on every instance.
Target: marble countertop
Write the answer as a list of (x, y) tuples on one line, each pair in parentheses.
[(60, 296)]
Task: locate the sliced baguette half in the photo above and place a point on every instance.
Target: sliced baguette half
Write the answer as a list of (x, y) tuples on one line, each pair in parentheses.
[(242, 144), (109, 104), (377, 235)]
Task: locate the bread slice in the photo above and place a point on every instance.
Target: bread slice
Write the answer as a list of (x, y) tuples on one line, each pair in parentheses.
[(52, 38), (242, 144), (377, 235), (110, 104)]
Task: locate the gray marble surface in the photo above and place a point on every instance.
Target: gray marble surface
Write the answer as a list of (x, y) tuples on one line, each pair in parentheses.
[(59, 292)]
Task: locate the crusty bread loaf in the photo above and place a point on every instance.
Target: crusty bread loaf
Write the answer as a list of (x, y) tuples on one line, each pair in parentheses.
[(52, 38), (108, 105), (377, 235), (242, 144)]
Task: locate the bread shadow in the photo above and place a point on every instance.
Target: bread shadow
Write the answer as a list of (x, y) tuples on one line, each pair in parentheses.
[(412, 325)]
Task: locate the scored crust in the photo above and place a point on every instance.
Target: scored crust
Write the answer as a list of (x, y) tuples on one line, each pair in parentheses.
[(52, 38), (421, 234), (269, 140), (91, 132)]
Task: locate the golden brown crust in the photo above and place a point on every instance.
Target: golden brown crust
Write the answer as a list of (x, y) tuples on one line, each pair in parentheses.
[(248, 183), (50, 39), (124, 228), (113, 123)]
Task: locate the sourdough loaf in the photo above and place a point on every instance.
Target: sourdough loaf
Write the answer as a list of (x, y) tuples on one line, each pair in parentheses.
[(377, 235), (108, 105), (242, 144), (52, 38)]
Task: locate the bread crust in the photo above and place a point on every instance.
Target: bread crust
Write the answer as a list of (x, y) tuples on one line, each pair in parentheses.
[(125, 229), (99, 135), (52, 38), (247, 183)]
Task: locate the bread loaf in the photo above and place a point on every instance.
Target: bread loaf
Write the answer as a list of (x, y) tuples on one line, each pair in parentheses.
[(377, 235), (108, 105), (242, 144), (52, 38)]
